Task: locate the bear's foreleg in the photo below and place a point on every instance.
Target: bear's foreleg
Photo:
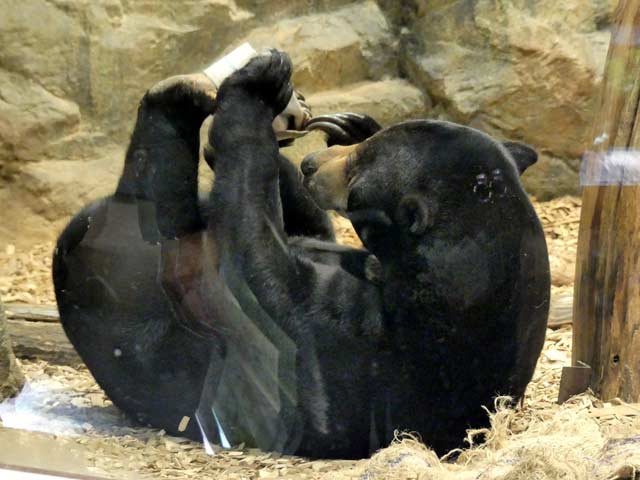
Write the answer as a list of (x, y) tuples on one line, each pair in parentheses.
[(161, 164), (248, 218)]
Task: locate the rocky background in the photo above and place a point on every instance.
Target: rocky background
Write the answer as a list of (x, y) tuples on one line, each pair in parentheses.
[(72, 72)]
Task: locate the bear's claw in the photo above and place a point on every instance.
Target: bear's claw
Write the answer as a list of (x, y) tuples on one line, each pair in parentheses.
[(344, 128)]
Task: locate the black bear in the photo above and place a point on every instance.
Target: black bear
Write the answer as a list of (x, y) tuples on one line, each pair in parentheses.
[(445, 309)]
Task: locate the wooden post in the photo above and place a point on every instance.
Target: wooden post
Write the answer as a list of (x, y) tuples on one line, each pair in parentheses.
[(606, 316)]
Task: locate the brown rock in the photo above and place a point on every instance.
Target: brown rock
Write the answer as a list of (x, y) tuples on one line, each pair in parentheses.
[(521, 70), (45, 195), (45, 41), (61, 188), (388, 101), (333, 49), (11, 378), (20, 226), (31, 118), (269, 9), (138, 44)]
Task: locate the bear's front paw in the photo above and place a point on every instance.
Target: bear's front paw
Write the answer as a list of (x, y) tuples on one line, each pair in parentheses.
[(266, 77), (187, 95)]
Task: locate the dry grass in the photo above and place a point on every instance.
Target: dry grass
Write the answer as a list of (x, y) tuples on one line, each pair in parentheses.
[(25, 275)]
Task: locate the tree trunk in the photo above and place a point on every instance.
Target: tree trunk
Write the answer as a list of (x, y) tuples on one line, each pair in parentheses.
[(11, 379), (606, 321)]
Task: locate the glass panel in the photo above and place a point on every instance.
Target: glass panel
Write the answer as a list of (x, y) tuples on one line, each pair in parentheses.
[(403, 242)]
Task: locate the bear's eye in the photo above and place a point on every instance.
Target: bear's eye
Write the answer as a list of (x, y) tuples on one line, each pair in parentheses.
[(498, 185), (482, 188)]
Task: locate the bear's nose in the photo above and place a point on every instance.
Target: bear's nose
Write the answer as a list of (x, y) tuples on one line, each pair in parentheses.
[(309, 166)]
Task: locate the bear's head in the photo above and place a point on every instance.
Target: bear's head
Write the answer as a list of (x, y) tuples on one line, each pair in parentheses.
[(439, 204)]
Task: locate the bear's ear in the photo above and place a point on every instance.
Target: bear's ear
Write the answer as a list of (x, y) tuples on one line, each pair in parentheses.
[(414, 215), (524, 155)]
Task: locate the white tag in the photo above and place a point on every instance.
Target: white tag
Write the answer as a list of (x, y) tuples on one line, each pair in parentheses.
[(228, 64), (238, 58)]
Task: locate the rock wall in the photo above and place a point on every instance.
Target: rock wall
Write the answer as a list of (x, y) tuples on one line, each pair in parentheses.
[(520, 69), (72, 72)]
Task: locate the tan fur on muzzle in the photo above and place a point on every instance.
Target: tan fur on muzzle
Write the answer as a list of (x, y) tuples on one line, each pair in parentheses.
[(329, 183)]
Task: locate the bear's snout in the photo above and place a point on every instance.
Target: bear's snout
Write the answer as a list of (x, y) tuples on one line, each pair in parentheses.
[(325, 176)]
